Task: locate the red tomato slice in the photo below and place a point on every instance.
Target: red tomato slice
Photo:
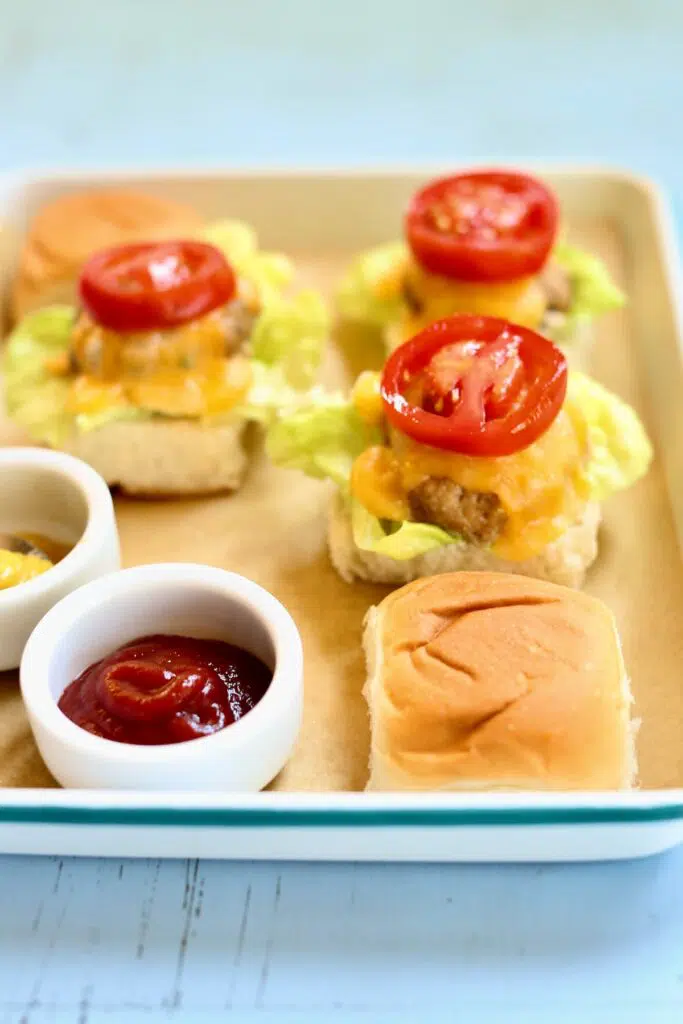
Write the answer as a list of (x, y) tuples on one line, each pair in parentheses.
[(482, 226), (475, 385), (500, 374), (155, 285)]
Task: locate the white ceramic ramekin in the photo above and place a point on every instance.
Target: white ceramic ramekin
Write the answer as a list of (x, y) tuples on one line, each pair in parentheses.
[(185, 599), (61, 497)]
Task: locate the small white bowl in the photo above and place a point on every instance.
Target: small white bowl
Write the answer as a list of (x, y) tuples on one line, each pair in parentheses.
[(62, 498), (185, 599)]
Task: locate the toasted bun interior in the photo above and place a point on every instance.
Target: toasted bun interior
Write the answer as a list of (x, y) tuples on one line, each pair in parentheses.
[(481, 680), (71, 228)]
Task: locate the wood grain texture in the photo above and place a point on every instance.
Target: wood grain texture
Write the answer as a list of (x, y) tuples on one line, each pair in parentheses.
[(84, 83), (160, 940)]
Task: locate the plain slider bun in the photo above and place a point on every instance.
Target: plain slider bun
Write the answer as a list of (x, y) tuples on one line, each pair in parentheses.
[(72, 227), (165, 457), (565, 561), (488, 681)]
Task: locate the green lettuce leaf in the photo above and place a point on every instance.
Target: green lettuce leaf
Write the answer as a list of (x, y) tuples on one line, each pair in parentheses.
[(321, 439), (93, 421), (36, 398), (399, 541), (271, 273), (621, 451), (593, 291), (370, 291), (291, 334), (271, 396)]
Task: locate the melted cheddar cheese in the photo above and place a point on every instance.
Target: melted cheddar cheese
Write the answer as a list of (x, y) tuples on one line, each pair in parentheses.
[(366, 398), (376, 482), (211, 392), (112, 356), (543, 488), (181, 372), (16, 568), (522, 301)]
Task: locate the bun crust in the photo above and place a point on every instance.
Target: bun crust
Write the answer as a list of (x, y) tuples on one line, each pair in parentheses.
[(165, 457), (564, 561), (68, 230), (492, 681)]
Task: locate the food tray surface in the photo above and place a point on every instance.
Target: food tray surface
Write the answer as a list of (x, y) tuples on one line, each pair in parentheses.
[(273, 531)]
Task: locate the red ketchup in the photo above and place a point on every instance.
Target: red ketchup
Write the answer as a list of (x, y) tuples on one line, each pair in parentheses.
[(166, 689)]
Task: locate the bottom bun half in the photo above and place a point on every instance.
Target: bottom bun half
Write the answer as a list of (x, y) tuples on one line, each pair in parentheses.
[(165, 457), (564, 561)]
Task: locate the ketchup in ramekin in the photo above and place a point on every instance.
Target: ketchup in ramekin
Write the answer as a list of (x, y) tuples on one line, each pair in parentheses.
[(166, 689)]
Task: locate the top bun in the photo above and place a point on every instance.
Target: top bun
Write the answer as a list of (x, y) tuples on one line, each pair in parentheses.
[(481, 680), (67, 231)]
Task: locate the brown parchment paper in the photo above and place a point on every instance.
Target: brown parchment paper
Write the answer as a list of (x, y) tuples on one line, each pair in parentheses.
[(273, 531)]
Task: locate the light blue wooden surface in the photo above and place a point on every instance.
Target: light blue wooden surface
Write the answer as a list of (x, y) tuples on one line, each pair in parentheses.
[(285, 82)]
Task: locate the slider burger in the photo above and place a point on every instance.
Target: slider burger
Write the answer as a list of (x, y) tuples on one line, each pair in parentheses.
[(172, 348), (480, 242), (475, 449), (488, 681)]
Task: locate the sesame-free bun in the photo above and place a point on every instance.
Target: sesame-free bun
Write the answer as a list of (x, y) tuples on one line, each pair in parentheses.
[(564, 561), (159, 457), (71, 228), (490, 681)]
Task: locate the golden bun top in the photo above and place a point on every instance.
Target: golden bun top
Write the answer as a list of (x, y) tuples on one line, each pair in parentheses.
[(488, 680), (66, 231)]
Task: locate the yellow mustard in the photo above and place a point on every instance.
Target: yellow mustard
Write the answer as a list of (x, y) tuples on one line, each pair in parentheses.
[(16, 568)]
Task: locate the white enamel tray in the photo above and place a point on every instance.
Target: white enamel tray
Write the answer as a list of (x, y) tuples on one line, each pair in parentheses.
[(338, 211)]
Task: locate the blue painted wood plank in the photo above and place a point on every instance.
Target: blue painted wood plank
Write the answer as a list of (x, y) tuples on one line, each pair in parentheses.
[(155, 939)]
